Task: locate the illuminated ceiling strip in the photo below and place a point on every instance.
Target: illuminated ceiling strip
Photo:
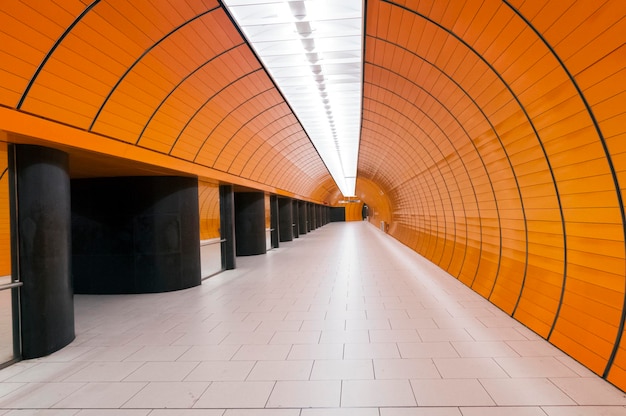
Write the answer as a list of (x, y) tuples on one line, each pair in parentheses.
[(313, 51)]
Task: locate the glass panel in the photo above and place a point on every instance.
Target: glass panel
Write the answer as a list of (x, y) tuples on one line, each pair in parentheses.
[(210, 247), (6, 309)]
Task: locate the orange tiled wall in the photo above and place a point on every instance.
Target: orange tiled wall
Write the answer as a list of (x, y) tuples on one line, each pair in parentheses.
[(209, 205), (497, 131)]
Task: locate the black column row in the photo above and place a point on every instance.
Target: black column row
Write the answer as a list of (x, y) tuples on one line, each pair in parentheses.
[(290, 218)]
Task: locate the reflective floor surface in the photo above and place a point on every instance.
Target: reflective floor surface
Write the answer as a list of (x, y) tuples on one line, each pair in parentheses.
[(344, 321)]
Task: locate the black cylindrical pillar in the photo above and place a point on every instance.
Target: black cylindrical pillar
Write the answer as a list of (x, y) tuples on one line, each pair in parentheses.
[(250, 223), (42, 251), (285, 219), (295, 214), (302, 216), (312, 218), (274, 220)]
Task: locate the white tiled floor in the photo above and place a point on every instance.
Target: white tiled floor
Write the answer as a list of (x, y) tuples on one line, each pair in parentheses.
[(344, 321)]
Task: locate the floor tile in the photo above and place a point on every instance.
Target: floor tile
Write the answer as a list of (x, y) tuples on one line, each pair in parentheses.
[(281, 370), (234, 394), (296, 337), (342, 370), (450, 392), (584, 410), (113, 412), (525, 392), (305, 394), (502, 411), (208, 353), (316, 352), (525, 367), (167, 395), (484, 349), (369, 351), (262, 352), (101, 395), (591, 391), (343, 337), (425, 411), (47, 372), (162, 371), (341, 412), (103, 371), (262, 412), (38, 395), (469, 368), (187, 412), (427, 350), (221, 371), (158, 353), (405, 369), (394, 335), (377, 393)]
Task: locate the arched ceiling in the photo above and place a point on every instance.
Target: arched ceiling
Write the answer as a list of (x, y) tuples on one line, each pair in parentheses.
[(173, 77)]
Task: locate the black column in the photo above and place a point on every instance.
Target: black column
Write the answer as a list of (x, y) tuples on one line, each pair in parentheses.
[(41, 247), (274, 221), (135, 234), (295, 214), (285, 219), (250, 223), (302, 216), (312, 216), (227, 227)]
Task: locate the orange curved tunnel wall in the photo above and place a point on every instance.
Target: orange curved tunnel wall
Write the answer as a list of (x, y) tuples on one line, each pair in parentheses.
[(497, 130), (493, 134)]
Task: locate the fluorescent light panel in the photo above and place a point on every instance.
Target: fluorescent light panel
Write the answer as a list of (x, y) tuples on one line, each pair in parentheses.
[(313, 51)]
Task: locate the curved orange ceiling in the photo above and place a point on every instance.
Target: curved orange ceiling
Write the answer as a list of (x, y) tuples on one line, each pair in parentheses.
[(493, 138), (176, 78)]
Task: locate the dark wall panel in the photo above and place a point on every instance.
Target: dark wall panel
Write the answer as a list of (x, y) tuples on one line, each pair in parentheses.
[(135, 234)]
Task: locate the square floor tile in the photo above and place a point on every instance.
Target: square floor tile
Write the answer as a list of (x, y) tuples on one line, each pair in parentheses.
[(377, 393), (450, 392), (167, 395), (305, 394), (235, 394)]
